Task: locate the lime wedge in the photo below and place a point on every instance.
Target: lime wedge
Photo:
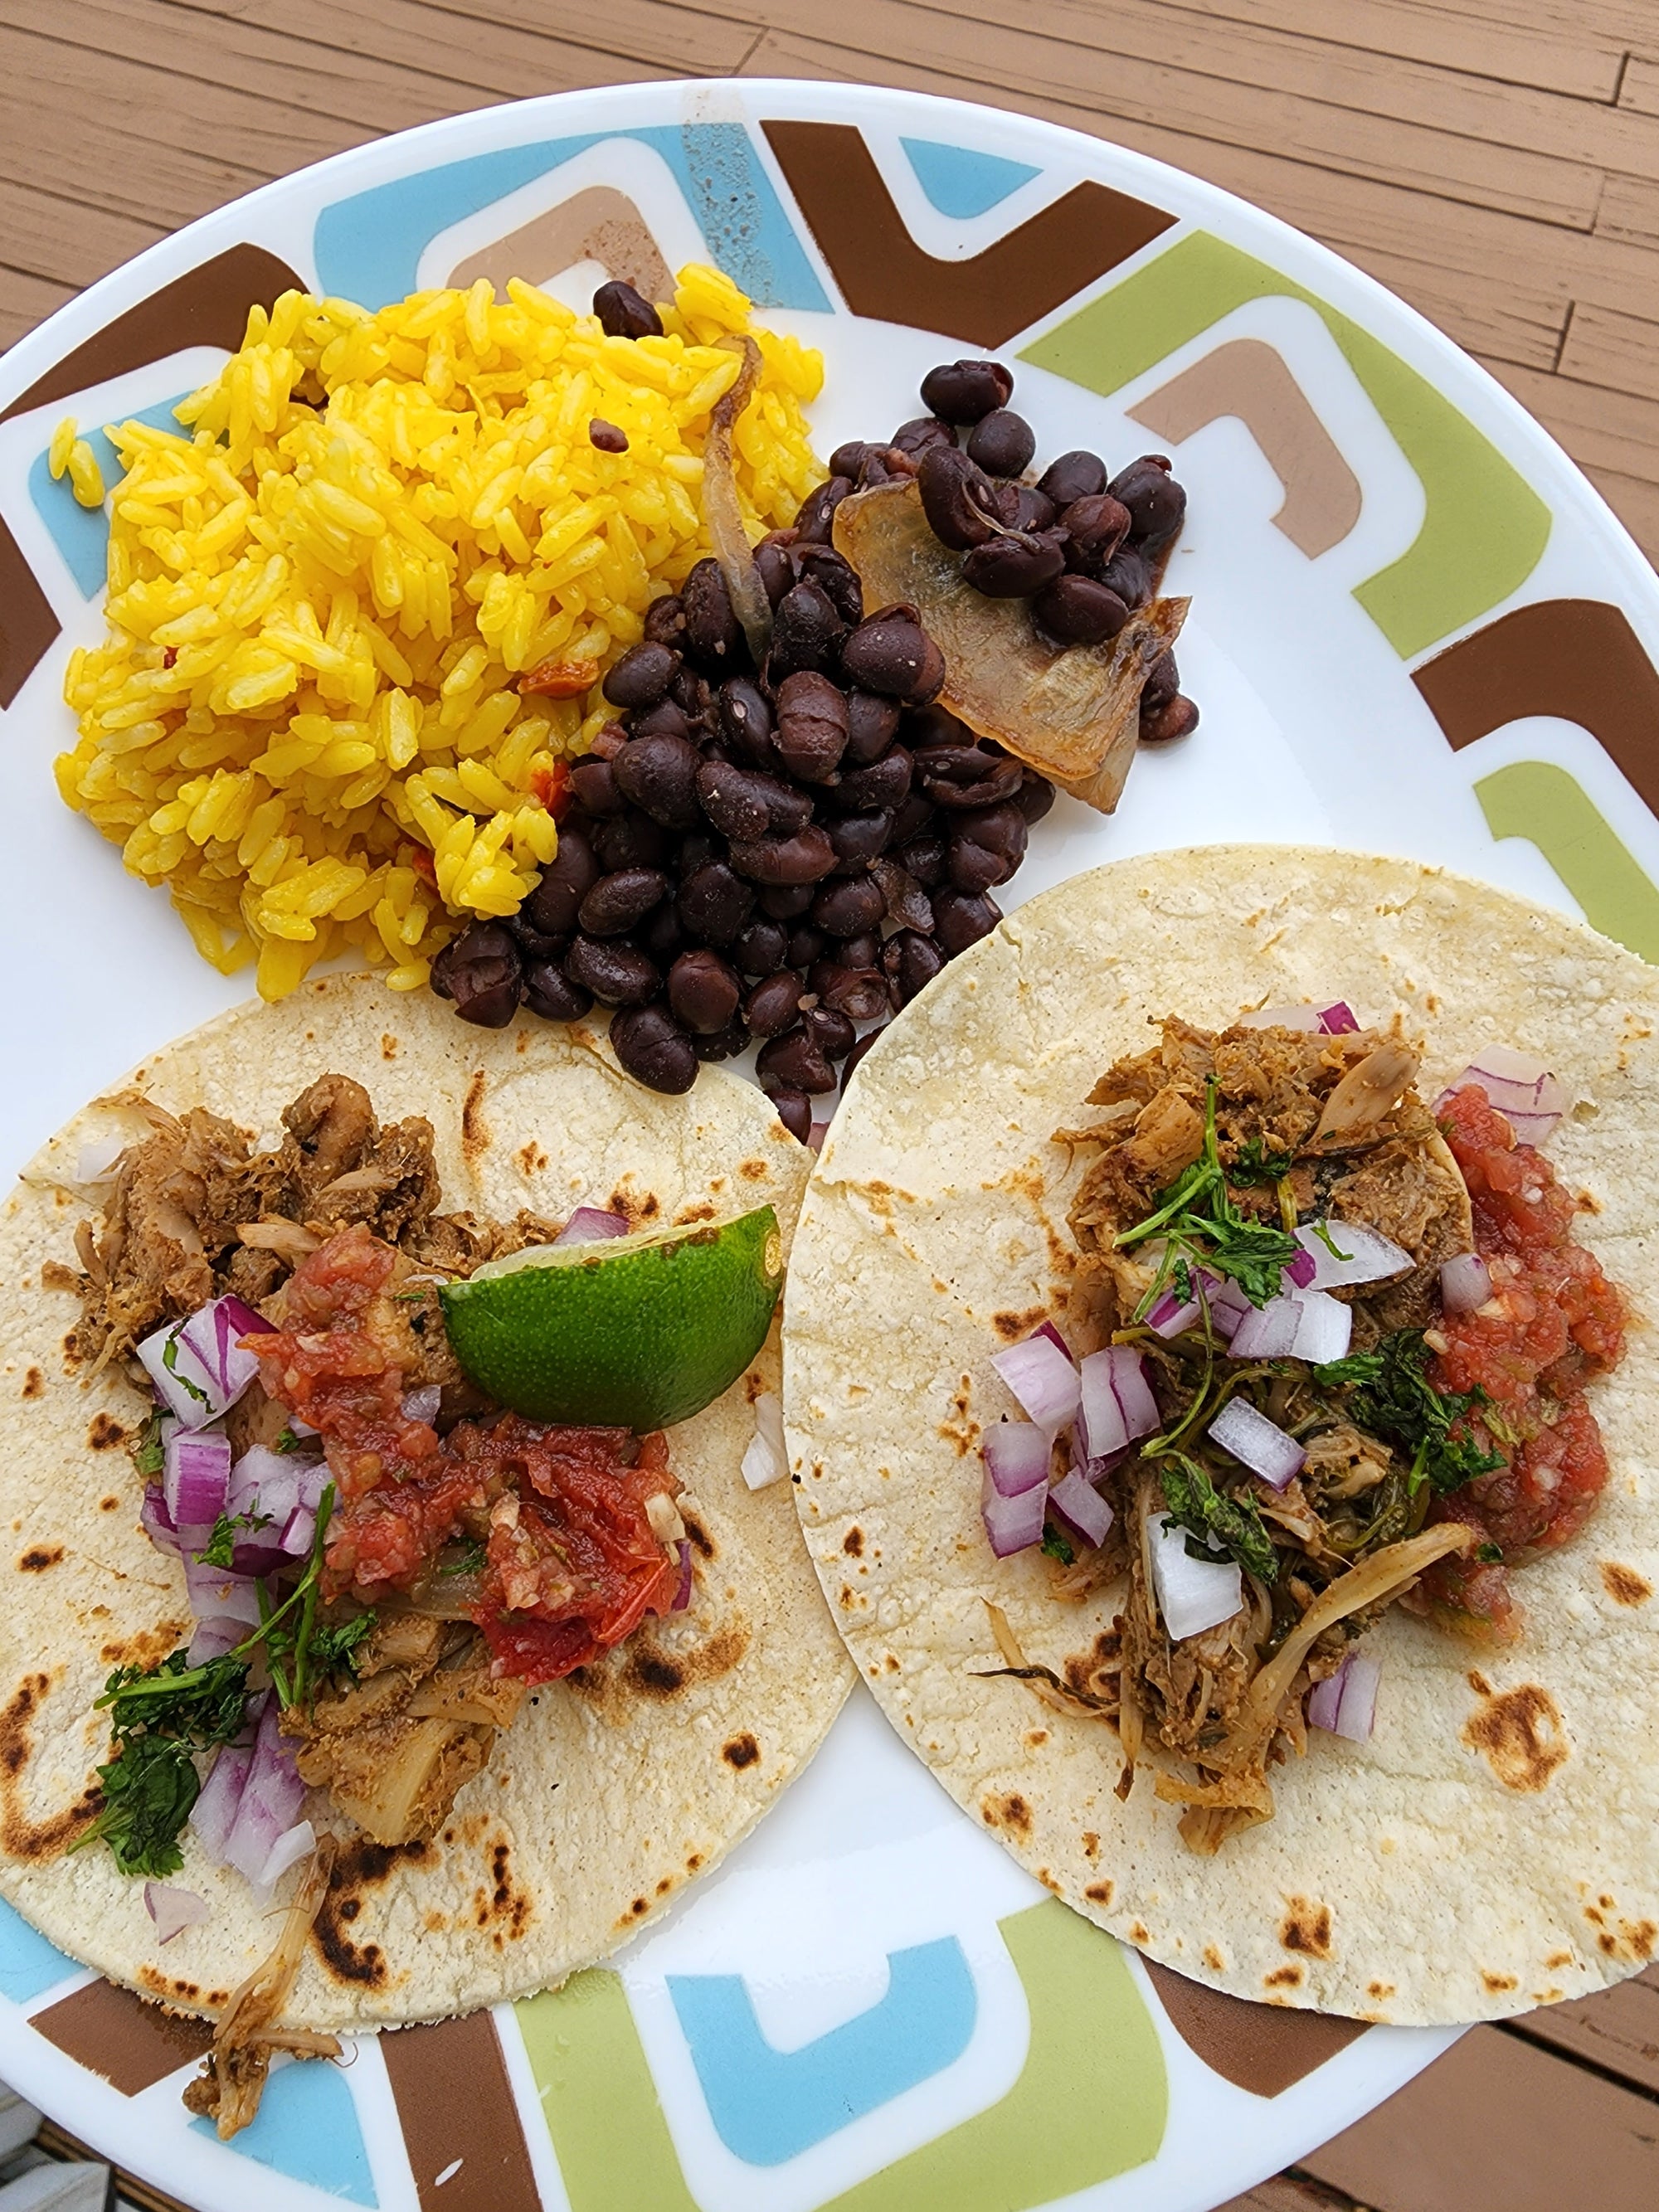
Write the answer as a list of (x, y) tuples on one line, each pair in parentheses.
[(638, 1332)]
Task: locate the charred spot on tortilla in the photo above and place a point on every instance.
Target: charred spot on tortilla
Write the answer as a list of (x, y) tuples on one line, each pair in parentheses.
[(108, 1504), (741, 1751), (1283, 1977), (1091, 1845), (1011, 1326), (1623, 1585), (1497, 1985), (388, 1046), (1380, 1991), (104, 1433), (701, 1542), (1009, 1811), (531, 1159), (1213, 1960), (359, 1865), (475, 1134), (1519, 1732), (38, 1558), (853, 1543), (1099, 1892), (658, 1674), (34, 1382), (1306, 1928)]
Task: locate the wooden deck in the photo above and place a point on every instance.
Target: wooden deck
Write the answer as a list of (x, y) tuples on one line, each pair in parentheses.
[(1495, 161)]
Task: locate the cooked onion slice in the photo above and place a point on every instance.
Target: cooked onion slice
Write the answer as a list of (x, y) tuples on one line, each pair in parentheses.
[(1465, 1283), (1081, 1507), (1345, 1702), (1257, 1442), (1041, 1374), (1306, 1018), (727, 534), (1193, 1595), (172, 1909), (1074, 714), (1361, 1255), (1520, 1086), (767, 1459)]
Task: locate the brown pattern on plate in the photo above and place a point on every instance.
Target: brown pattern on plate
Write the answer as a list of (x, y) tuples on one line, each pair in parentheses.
[(461, 2127), (1266, 2049), (984, 300), (600, 224), (131, 2044)]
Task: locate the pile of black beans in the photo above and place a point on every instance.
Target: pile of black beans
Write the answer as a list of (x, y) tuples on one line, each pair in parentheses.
[(1084, 548), (783, 853)]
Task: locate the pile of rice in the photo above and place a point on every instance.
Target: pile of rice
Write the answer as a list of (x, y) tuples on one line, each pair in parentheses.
[(305, 721)]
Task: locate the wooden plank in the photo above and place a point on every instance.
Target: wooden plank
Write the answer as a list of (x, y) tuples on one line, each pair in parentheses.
[(1629, 210), (1635, 502), (27, 300), (1496, 312), (1611, 430), (1619, 2030), (63, 241), (1290, 2192), (1498, 2123), (1620, 352), (1640, 89)]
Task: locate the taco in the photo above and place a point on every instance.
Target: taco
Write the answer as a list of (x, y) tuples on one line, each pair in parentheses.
[(497, 1686), (1219, 1393)]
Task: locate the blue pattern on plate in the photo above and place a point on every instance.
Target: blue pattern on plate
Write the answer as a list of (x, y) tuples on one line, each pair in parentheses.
[(306, 2127), (769, 2105), (28, 1964), (368, 247), (962, 183), (81, 533)]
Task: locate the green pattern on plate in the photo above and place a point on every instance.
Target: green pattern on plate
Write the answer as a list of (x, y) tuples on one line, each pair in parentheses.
[(1091, 2101), (1484, 528), (1539, 801)]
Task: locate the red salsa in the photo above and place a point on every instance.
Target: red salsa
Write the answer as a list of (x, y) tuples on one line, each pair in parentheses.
[(1553, 1323), (561, 1559)]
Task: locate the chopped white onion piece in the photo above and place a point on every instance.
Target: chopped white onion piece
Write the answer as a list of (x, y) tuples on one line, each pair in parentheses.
[(1013, 1524), (1081, 1506), (220, 1594), (664, 1516), (767, 1459), (271, 1800), (1043, 1379), (1361, 1255), (198, 1366), (1465, 1283), (1266, 1332), (293, 1843), (1281, 1017), (213, 1814), (1345, 1702), (1324, 1328), (1193, 1595), (1134, 1392), (1017, 1454), (1260, 1444), (96, 1163), (172, 1909)]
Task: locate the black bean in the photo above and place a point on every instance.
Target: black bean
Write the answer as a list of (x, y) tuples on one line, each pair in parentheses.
[(1129, 574), (830, 1030), (665, 620), (695, 698), (594, 786), (630, 841), (662, 934), (760, 948), (959, 776), (714, 903), (1002, 443), (787, 902), (565, 882), (817, 511), (911, 961), (858, 838), (986, 849), (860, 994), (745, 720), (837, 578), (884, 465), (796, 1061), (858, 1052), (871, 723), (1163, 682), (618, 975), (534, 943), (697, 848), (723, 1044), (1015, 565), (921, 433), (606, 437), (1157, 503), (957, 497), (807, 943), (617, 901), (625, 314), (806, 632), (963, 391), (659, 775), (811, 725), (774, 568), (924, 858), (1175, 718), (890, 652), (654, 1049), (1033, 510), (1095, 527), (861, 950), (1034, 797), (793, 1109), (665, 718), (847, 459), (884, 786), (714, 637), (703, 991), (773, 1006), (1077, 610), (548, 991), (727, 796), (904, 901), (1076, 475), (641, 676), (481, 970), (960, 920), (917, 817), (846, 905)]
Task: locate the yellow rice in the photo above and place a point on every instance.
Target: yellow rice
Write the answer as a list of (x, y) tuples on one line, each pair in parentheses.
[(317, 615)]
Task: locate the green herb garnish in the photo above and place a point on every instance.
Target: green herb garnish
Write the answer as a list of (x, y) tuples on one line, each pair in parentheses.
[(1204, 1226), (221, 1544), (1214, 1519), (1393, 1397), (1057, 1547), (287, 1441), (1255, 1165), (1489, 1555), (149, 1452), (170, 1361), (469, 1560)]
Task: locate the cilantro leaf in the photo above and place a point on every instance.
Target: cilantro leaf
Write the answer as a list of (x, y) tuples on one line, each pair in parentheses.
[(149, 1454), (1253, 1164), (1203, 1226), (1232, 1524), (221, 1544), (160, 1719), (1057, 1547), (1393, 1397)]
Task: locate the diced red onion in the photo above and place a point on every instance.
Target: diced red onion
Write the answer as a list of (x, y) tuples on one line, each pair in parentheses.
[(1520, 1086), (209, 1371), (421, 1404), (1193, 1595), (195, 1478), (1300, 1271), (1013, 1524), (1338, 1020), (1345, 1702), (292, 1845), (588, 1224), (172, 1909), (1169, 1315), (682, 1593), (1227, 1302), (767, 1459), (1047, 1329), (1324, 1328), (1134, 1392), (271, 1800), (1267, 1331), (1042, 1377), (816, 1135), (156, 1521), (213, 1814), (1117, 1401), (1081, 1507), (1017, 1455), (298, 1532), (212, 1639), (1465, 1283), (1281, 1017), (219, 1594), (314, 1479), (1260, 1444), (1366, 1255)]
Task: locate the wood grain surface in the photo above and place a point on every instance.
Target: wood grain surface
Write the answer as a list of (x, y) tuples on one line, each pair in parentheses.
[(1494, 161)]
